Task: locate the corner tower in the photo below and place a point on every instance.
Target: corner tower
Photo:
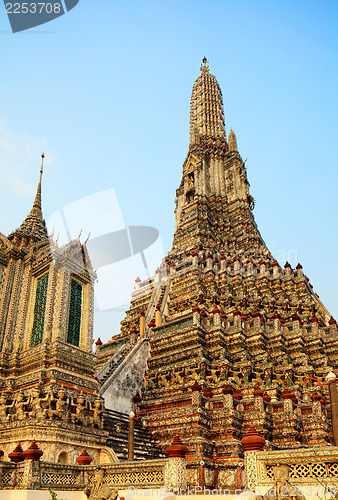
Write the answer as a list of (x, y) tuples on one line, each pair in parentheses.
[(47, 382), (47, 292)]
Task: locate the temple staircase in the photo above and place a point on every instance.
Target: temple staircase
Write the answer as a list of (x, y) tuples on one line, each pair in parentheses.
[(117, 363), (160, 299), (116, 423), (111, 365)]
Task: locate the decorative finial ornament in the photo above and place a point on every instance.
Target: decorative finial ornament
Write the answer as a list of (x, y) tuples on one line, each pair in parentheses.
[(34, 226), (232, 141), (205, 66)]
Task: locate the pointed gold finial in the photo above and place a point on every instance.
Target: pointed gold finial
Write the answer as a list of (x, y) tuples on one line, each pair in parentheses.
[(41, 168), (36, 210), (34, 226), (205, 66)]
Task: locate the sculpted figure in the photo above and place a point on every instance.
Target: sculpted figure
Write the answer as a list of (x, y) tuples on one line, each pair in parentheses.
[(177, 378), (163, 381), (19, 407), (282, 489), (151, 383), (79, 417), (96, 419), (35, 401), (191, 181), (224, 372), (193, 374), (213, 375), (268, 376), (4, 408), (99, 490), (61, 406)]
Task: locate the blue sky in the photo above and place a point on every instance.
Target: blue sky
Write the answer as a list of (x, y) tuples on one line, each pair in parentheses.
[(104, 91)]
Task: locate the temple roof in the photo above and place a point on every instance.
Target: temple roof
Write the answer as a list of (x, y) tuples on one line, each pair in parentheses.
[(34, 226), (206, 107)]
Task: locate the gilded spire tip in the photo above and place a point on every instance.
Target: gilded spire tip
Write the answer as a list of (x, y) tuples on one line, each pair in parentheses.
[(36, 210), (205, 66), (42, 158)]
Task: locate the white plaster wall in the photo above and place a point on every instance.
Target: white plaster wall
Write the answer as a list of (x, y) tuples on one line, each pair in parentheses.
[(129, 380)]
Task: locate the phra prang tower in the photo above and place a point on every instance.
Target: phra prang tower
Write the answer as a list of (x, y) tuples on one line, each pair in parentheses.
[(234, 338), (47, 368)]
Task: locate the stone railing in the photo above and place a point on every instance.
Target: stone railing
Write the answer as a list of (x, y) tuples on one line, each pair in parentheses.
[(32, 474), (10, 475), (143, 474), (62, 477), (112, 362), (306, 466), (26, 471)]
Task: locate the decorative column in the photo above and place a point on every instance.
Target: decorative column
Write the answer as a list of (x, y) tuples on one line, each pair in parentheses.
[(196, 315), (31, 475), (142, 324), (331, 380), (175, 472), (158, 319), (196, 395), (61, 300), (252, 443), (131, 436), (259, 403), (133, 336), (217, 317)]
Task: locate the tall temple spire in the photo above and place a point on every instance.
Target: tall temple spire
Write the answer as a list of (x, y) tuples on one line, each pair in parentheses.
[(206, 107), (34, 226), (36, 209), (229, 319), (213, 203)]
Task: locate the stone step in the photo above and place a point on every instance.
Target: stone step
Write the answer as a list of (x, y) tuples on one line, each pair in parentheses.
[(144, 445)]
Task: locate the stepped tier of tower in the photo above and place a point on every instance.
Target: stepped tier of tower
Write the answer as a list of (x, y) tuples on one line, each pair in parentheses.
[(234, 338)]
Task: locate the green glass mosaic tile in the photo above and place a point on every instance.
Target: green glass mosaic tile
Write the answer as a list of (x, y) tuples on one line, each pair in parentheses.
[(39, 310), (75, 308)]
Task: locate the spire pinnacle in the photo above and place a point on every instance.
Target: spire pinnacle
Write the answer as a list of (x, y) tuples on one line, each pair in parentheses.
[(34, 226), (206, 108), (36, 209), (205, 66)]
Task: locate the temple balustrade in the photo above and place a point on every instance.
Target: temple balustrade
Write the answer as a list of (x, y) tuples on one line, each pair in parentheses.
[(306, 467), (64, 477)]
